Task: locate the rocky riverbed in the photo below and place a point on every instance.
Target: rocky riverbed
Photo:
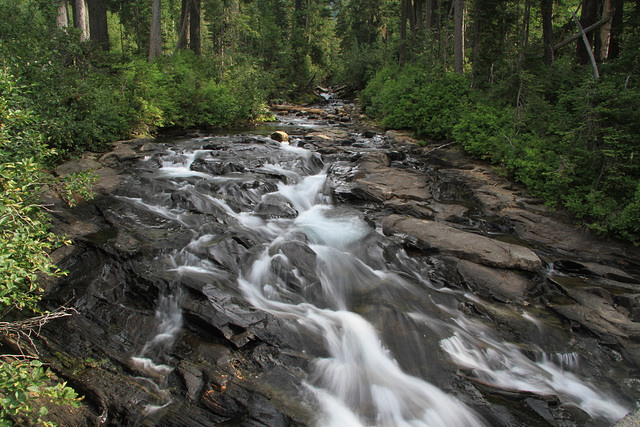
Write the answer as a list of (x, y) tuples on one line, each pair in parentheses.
[(162, 340)]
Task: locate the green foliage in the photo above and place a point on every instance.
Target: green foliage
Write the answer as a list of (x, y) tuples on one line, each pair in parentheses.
[(359, 64), (426, 102), (25, 388), (25, 240), (24, 227), (484, 129), (182, 91)]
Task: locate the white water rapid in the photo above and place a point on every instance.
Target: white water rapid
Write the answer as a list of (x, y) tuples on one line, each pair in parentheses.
[(395, 346)]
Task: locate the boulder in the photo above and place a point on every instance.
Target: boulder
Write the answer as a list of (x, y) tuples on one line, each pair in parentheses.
[(279, 136), (376, 181), (502, 285), (77, 166), (438, 237)]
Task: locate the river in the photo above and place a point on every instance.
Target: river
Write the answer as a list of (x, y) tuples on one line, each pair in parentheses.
[(243, 242)]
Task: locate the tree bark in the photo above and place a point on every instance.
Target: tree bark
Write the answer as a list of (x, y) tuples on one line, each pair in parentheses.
[(588, 17), (403, 32), (546, 10), (524, 33), (194, 27), (155, 39), (616, 29), (80, 18), (585, 39), (418, 10), (98, 26), (184, 24), (62, 17), (458, 36)]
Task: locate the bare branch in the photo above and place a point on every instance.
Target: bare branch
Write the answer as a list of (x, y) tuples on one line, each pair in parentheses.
[(579, 34), (24, 330)]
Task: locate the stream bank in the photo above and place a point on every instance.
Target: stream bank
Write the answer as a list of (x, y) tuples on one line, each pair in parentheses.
[(462, 245)]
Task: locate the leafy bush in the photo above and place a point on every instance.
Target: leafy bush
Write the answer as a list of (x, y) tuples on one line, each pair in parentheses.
[(25, 240), (426, 102), (24, 390)]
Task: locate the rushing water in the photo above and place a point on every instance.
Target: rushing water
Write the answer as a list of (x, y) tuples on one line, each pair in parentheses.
[(397, 348)]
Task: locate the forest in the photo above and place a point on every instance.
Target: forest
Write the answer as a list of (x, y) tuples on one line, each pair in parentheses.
[(547, 91)]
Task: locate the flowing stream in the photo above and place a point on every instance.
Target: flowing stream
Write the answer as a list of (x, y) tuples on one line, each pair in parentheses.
[(389, 343)]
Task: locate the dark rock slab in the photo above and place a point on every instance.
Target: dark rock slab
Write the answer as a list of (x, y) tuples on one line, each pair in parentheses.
[(450, 241), (502, 285)]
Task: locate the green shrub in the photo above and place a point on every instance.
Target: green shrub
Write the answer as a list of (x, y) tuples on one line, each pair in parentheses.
[(426, 102), (25, 388), (25, 241)]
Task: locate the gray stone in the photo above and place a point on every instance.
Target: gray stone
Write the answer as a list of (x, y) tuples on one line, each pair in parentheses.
[(77, 166), (280, 136), (631, 420), (503, 285), (450, 241)]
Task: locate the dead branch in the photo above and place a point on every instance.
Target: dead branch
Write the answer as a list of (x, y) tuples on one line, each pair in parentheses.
[(24, 330), (438, 148), (586, 30)]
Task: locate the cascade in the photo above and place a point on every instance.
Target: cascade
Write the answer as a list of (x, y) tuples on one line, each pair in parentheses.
[(351, 326)]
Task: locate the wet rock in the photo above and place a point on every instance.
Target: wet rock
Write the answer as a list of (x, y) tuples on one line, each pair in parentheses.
[(228, 253), (279, 136), (447, 240), (275, 206), (368, 134), (631, 302), (377, 182), (216, 167), (295, 268), (631, 420), (77, 166), (600, 317), (448, 212), (410, 208), (611, 273), (502, 285)]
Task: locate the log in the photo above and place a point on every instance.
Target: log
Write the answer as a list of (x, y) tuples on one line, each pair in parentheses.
[(596, 74), (590, 28)]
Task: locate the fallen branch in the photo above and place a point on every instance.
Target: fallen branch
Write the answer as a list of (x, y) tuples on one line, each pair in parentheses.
[(586, 30), (596, 73), (438, 148), (25, 329)]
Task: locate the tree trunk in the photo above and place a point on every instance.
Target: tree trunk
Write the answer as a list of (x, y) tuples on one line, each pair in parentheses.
[(99, 28), (589, 16), (184, 24), (616, 29), (194, 27), (592, 59), (403, 32), (437, 24), (155, 38), (546, 10), (524, 33), (411, 16), (62, 17), (458, 36), (418, 10), (80, 18)]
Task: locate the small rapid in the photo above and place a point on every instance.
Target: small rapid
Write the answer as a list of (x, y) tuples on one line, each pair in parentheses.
[(389, 344)]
